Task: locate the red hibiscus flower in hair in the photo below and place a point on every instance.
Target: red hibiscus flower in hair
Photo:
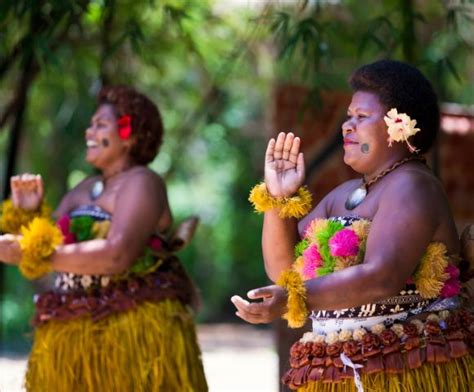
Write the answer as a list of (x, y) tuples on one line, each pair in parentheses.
[(125, 126)]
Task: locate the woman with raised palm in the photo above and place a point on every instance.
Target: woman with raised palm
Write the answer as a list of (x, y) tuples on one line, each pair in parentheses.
[(118, 318), (376, 266)]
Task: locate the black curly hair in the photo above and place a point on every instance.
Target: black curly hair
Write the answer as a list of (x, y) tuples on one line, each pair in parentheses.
[(147, 126), (402, 86)]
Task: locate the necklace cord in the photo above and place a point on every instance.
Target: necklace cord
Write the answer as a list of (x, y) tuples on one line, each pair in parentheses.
[(392, 168)]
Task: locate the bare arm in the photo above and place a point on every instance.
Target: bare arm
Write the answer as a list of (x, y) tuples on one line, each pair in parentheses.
[(284, 174), (138, 207)]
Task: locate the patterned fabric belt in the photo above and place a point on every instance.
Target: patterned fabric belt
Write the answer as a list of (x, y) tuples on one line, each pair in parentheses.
[(408, 300), (326, 325), (170, 281)]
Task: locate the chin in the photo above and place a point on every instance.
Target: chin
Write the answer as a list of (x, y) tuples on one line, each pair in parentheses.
[(349, 160), (352, 163), (93, 161)]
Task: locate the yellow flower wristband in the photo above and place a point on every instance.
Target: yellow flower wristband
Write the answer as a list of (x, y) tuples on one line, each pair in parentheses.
[(13, 218), (297, 313), (289, 207), (38, 243)]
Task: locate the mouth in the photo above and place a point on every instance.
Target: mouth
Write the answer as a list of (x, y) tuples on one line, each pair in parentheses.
[(91, 144), (349, 142)]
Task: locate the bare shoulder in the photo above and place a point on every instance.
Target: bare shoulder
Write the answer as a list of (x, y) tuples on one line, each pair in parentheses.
[(327, 206), (143, 176), (413, 186), (338, 195), (84, 186)]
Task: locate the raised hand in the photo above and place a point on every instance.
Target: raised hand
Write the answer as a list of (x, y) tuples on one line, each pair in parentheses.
[(27, 191), (284, 165)]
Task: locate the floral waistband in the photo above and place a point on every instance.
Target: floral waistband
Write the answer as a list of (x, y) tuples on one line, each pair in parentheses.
[(440, 338)]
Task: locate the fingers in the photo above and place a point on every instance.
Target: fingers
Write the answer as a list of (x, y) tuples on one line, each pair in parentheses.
[(252, 312), (286, 147), (300, 168), (27, 182), (294, 150), (39, 185), (280, 142), (14, 185), (269, 154), (263, 292)]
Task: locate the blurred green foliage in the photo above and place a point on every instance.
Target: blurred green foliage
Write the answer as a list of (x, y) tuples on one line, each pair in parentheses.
[(210, 66)]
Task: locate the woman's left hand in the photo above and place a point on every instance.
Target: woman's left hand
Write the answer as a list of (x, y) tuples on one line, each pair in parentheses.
[(272, 306), (10, 251)]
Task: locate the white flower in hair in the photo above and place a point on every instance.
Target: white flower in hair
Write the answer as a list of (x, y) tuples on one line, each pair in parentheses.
[(400, 128)]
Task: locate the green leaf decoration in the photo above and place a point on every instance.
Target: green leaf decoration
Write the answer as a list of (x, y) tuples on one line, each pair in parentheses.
[(144, 262), (81, 227), (300, 247)]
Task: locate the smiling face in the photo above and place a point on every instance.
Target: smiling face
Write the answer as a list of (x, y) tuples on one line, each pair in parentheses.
[(104, 146), (365, 135)]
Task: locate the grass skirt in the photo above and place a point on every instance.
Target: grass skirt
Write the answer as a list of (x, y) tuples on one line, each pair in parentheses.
[(150, 348), (453, 376)]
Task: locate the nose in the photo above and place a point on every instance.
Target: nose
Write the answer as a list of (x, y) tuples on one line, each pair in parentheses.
[(347, 127), (89, 131)]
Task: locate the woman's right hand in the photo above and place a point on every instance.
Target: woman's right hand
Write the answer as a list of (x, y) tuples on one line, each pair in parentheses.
[(284, 165), (27, 191)]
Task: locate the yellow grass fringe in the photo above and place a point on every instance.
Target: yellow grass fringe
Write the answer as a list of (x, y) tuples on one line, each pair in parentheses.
[(289, 207), (429, 277), (456, 375), (150, 348), (297, 313)]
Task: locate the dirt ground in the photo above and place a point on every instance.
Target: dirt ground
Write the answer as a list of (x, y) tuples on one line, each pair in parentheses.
[(237, 358)]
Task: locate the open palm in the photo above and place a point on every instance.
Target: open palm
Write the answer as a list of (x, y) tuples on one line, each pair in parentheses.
[(27, 191), (284, 165)]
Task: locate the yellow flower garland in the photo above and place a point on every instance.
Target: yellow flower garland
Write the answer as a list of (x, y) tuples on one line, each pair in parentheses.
[(289, 207), (13, 218), (297, 313), (39, 241)]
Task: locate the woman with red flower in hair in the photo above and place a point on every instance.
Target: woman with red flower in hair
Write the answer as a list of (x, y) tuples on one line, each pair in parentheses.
[(118, 318)]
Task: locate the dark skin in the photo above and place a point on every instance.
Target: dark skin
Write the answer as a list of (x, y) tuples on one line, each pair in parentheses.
[(408, 209), (134, 195)]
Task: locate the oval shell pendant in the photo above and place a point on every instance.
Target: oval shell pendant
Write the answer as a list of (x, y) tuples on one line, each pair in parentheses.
[(96, 190), (356, 197)]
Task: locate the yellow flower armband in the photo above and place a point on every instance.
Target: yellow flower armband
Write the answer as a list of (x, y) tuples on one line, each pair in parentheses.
[(289, 207), (13, 218), (39, 241), (297, 313)]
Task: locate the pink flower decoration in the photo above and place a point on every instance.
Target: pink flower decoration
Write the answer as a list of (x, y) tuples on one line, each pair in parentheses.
[(452, 286), (344, 243), (312, 260), (155, 243), (63, 223)]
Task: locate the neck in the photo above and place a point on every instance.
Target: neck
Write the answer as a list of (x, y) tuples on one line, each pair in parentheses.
[(116, 168), (387, 164), (394, 166)]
